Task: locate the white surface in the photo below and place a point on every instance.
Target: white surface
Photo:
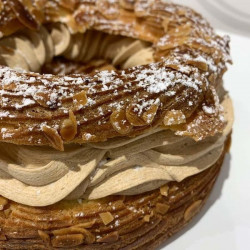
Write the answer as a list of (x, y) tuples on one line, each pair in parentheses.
[(224, 222), (228, 15)]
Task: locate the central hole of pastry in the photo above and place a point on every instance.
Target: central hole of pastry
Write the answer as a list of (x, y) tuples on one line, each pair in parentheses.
[(94, 50), (55, 50)]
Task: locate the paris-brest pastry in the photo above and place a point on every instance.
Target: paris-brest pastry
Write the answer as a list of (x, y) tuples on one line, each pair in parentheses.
[(113, 121)]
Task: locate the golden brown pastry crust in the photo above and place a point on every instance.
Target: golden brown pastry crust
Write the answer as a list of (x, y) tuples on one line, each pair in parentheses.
[(190, 61), (117, 222)]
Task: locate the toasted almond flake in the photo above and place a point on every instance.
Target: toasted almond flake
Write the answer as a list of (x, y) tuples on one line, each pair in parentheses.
[(164, 190), (147, 218), (165, 24), (44, 236), (69, 230), (88, 224), (120, 123), (133, 117), (162, 208), (3, 203), (174, 117), (53, 137), (192, 210), (106, 217), (149, 115), (70, 240), (80, 99), (111, 237), (201, 65), (181, 31), (69, 127)]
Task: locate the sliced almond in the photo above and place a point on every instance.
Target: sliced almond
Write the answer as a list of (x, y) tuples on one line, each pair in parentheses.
[(44, 236), (149, 115), (69, 127), (181, 31), (164, 190), (192, 210), (133, 117), (88, 224), (80, 99), (106, 217), (70, 240), (162, 208), (3, 203), (53, 137), (111, 237), (174, 117), (120, 123), (165, 24), (146, 218), (199, 64)]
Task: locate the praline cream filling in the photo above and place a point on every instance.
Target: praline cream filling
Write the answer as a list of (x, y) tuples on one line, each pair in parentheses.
[(40, 176), (29, 50)]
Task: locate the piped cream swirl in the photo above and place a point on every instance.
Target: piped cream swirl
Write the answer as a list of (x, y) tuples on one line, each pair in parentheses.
[(41, 176), (29, 50)]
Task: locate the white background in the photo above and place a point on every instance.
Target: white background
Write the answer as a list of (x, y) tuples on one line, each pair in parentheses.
[(224, 223)]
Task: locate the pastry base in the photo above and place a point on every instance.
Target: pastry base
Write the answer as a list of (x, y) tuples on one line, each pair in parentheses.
[(139, 222)]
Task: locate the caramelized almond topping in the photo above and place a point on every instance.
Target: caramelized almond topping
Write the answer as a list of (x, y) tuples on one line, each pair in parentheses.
[(164, 190), (86, 224), (68, 230), (80, 99), (181, 31), (133, 117), (106, 217), (44, 236), (149, 115), (23, 15), (162, 208), (120, 123), (112, 237), (200, 65), (3, 203), (147, 218), (168, 42), (174, 117), (165, 24), (69, 127), (192, 210), (53, 137), (69, 240)]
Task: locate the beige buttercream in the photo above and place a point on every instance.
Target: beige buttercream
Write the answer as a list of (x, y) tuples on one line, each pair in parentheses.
[(30, 50), (29, 175)]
